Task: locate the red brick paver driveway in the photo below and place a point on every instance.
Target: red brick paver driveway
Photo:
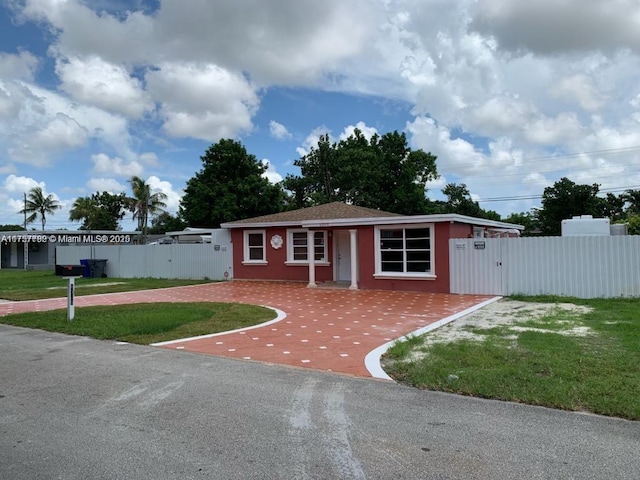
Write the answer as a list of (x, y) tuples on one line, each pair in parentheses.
[(327, 329)]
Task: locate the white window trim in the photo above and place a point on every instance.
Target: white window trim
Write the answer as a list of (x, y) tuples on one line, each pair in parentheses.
[(379, 274), (291, 261), (246, 259)]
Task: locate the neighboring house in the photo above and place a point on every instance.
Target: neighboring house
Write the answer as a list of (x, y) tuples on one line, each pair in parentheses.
[(40, 251), (360, 247)]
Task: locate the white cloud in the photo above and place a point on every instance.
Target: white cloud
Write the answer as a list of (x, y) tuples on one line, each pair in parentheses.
[(279, 131), (500, 89), (149, 158), (95, 82), (549, 26), (202, 100), (102, 163), (44, 125), (15, 184), (173, 196), (106, 185), (312, 140), (271, 173), (581, 89), (19, 67), (366, 131)]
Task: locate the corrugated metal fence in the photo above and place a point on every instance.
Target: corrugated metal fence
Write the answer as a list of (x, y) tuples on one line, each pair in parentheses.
[(583, 267), (185, 261)]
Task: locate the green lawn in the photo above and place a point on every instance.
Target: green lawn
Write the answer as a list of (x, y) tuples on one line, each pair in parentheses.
[(598, 372), (146, 323), (32, 284)]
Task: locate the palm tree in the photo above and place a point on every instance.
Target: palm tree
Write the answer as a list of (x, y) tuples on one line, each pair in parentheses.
[(144, 203), (36, 204), (85, 209)]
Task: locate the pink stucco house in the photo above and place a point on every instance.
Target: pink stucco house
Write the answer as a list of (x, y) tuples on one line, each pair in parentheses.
[(355, 246)]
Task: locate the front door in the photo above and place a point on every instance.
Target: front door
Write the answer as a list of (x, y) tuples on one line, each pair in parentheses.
[(343, 256)]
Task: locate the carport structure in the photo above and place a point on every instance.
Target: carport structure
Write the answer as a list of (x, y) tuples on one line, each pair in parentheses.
[(325, 328)]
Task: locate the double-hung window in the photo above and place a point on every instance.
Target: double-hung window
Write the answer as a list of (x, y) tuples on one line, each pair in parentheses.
[(254, 246), (404, 251), (298, 248)]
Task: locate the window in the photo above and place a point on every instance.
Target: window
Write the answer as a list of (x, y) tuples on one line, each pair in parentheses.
[(404, 251), (297, 248), (254, 246)]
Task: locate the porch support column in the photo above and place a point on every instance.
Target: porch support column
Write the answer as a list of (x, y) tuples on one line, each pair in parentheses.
[(354, 261), (311, 256)]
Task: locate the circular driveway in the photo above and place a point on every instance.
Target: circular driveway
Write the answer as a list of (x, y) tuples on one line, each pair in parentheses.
[(324, 328)]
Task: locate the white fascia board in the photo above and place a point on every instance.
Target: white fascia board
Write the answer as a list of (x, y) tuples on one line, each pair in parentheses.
[(261, 225), (400, 220)]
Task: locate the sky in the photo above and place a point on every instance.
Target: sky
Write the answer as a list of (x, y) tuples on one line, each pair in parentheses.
[(509, 95)]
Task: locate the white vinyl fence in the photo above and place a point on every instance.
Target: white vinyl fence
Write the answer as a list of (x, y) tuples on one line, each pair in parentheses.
[(583, 267), (184, 261)]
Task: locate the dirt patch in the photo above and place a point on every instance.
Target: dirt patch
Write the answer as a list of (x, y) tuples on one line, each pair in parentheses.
[(511, 314)]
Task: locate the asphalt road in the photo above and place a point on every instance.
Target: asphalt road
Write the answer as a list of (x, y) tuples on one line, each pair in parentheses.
[(75, 408)]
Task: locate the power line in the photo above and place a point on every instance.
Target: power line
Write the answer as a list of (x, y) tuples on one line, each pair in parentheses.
[(536, 197)]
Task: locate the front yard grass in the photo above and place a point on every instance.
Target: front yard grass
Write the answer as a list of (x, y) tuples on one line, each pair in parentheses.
[(34, 285), (538, 361), (145, 323)]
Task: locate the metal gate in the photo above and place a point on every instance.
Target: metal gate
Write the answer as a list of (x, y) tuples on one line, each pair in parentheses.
[(476, 266)]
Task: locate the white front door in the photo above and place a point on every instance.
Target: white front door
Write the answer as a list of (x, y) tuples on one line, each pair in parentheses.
[(343, 256)]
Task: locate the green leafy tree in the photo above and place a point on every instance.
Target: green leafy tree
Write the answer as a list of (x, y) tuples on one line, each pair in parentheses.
[(39, 205), (633, 224), (459, 201), (165, 222), (230, 186), (612, 207), (382, 173), (144, 203), (564, 200), (11, 228), (527, 220), (631, 199), (100, 211), (85, 210)]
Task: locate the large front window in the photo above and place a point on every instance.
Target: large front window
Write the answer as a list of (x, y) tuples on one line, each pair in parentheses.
[(298, 248), (405, 251)]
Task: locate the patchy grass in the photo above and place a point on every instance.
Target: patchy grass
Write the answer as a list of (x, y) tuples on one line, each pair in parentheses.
[(574, 360), (145, 323), (33, 285), (401, 349)]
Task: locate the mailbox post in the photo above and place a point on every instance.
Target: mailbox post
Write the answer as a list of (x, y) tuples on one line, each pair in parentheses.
[(71, 294)]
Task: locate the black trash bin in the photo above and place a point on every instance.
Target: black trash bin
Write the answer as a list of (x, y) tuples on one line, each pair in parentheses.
[(97, 268)]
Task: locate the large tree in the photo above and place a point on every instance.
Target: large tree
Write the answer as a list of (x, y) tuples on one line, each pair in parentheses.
[(100, 211), (85, 210), (382, 172), (564, 200), (39, 205), (230, 186), (145, 203), (165, 222)]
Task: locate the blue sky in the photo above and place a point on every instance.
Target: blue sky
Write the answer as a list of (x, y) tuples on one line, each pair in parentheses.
[(509, 95)]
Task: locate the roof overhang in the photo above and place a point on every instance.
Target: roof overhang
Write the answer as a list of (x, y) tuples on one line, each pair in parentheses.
[(399, 220)]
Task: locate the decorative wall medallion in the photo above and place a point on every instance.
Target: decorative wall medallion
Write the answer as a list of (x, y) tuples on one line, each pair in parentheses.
[(276, 242)]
